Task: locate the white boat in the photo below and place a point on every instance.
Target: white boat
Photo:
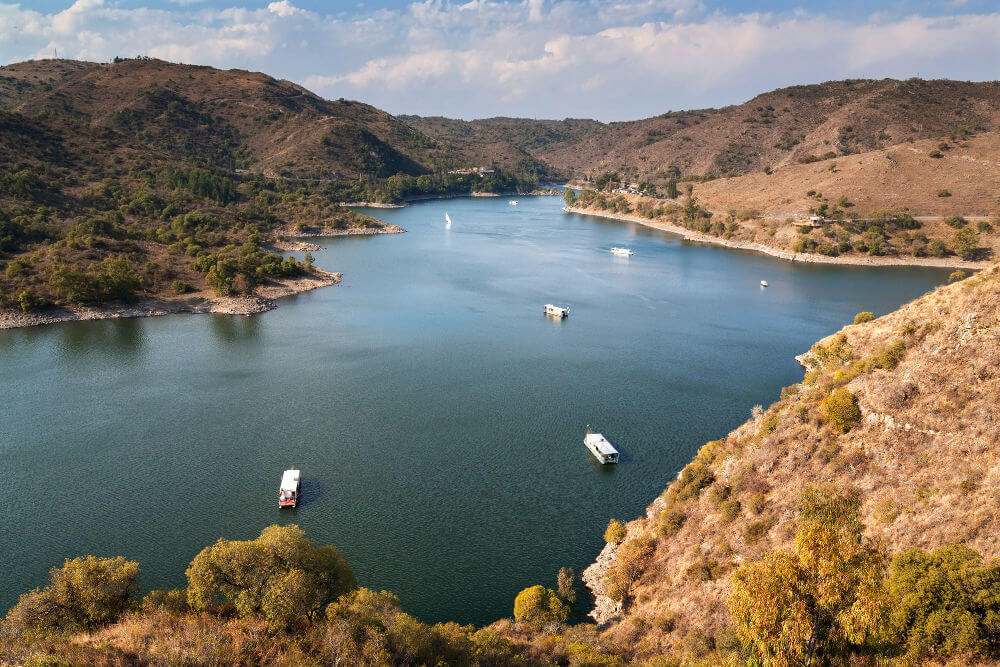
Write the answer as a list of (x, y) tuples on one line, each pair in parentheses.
[(599, 446), (447, 220), (622, 252), (555, 311), (513, 202), (288, 494), (763, 283)]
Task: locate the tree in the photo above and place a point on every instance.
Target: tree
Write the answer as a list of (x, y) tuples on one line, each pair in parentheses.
[(966, 243), (945, 602), (569, 196), (540, 605), (821, 600), (85, 593), (114, 278), (864, 316), (308, 259), (567, 585), (630, 562), (672, 191), (615, 532), (281, 575)]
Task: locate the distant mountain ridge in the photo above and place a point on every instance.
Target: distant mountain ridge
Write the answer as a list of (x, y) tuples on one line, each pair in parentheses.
[(780, 127)]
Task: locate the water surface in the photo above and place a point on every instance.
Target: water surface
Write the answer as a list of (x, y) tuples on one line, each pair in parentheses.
[(436, 414)]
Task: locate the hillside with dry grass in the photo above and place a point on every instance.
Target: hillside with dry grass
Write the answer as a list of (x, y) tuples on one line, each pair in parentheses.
[(919, 453)]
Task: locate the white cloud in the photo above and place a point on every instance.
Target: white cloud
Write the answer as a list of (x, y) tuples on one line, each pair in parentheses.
[(623, 59)]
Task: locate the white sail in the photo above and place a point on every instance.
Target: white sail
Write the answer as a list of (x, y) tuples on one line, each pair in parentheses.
[(447, 220)]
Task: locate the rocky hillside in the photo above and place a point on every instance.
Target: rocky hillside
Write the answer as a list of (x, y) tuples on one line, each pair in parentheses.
[(902, 410)]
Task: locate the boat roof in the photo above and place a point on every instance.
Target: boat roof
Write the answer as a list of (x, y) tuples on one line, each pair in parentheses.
[(601, 443), (289, 480)]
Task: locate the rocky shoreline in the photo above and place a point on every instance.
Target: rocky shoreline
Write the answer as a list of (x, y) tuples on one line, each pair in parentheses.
[(941, 263), (353, 231), (262, 300)]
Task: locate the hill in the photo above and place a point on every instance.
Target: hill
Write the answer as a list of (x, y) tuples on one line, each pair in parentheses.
[(784, 126), (141, 179)]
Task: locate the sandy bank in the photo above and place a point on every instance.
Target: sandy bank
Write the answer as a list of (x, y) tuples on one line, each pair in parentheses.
[(262, 300), (853, 260)]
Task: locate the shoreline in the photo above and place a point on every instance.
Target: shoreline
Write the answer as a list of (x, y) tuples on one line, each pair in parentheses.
[(262, 300), (807, 258), (540, 192), (284, 235)]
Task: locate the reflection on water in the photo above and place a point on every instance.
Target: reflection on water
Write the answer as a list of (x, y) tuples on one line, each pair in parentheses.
[(122, 338), (237, 328)]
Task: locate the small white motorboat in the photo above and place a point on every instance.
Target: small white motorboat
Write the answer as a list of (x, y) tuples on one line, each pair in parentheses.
[(622, 252), (555, 311), (763, 283), (513, 202)]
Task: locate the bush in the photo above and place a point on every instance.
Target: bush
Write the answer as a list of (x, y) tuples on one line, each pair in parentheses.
[(864, 316), (936, 154), (540, 605), (955, 221), (281, 575), (182, 287), (945, 603), (729, 510), (943, 193), (966, 243), (937, 248), (840, 410), (670, 522), (984, 226), (957, 275), (85, 593), (615, 532), (695, 477)]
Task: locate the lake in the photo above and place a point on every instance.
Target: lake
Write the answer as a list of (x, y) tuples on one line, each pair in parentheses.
[(436, 414)]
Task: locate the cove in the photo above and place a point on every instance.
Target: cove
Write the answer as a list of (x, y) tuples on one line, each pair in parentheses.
[(437, 416)]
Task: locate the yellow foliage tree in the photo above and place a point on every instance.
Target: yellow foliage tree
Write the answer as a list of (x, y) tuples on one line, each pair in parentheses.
[(538, 604)]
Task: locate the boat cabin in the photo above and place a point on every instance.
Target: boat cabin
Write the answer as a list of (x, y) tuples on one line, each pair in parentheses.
[(555, 311), (599, 446), (288, 494)]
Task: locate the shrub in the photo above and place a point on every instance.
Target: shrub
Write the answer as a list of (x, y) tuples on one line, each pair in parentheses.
[(936, 154), (670, 522), (957, 275), (864, 316), (182, 287), (943, 193), (887, 359), (172, 601), (955, 221), (984, 226), (84, 593), (755, 530), (615, 532), (729, 510), (695, 477), (630, 563), (840, 410), (540, 605), (937, 248), (567, 585)]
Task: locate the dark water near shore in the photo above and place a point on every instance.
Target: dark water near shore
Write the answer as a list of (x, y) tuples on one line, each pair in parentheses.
[(436, 414)]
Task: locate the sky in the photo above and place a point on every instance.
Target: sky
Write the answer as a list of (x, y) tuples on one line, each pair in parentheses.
[(616, 60)]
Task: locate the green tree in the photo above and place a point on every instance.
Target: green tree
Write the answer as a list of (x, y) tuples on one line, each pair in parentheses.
[(966, 243), (538, 604), (864, 316), (569, 196), (821, 600), (945, 603), (615, 532), (85, 593), (672, 191), (114, 277), (282, 575), (567, 585)]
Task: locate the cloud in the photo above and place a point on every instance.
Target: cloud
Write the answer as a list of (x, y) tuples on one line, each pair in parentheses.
[(555, 58)]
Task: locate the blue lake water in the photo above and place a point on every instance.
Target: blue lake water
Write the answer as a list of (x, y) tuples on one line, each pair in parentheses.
[(437, 416)]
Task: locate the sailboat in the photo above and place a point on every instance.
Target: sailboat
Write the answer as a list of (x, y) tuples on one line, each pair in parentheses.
[(447, 220)]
